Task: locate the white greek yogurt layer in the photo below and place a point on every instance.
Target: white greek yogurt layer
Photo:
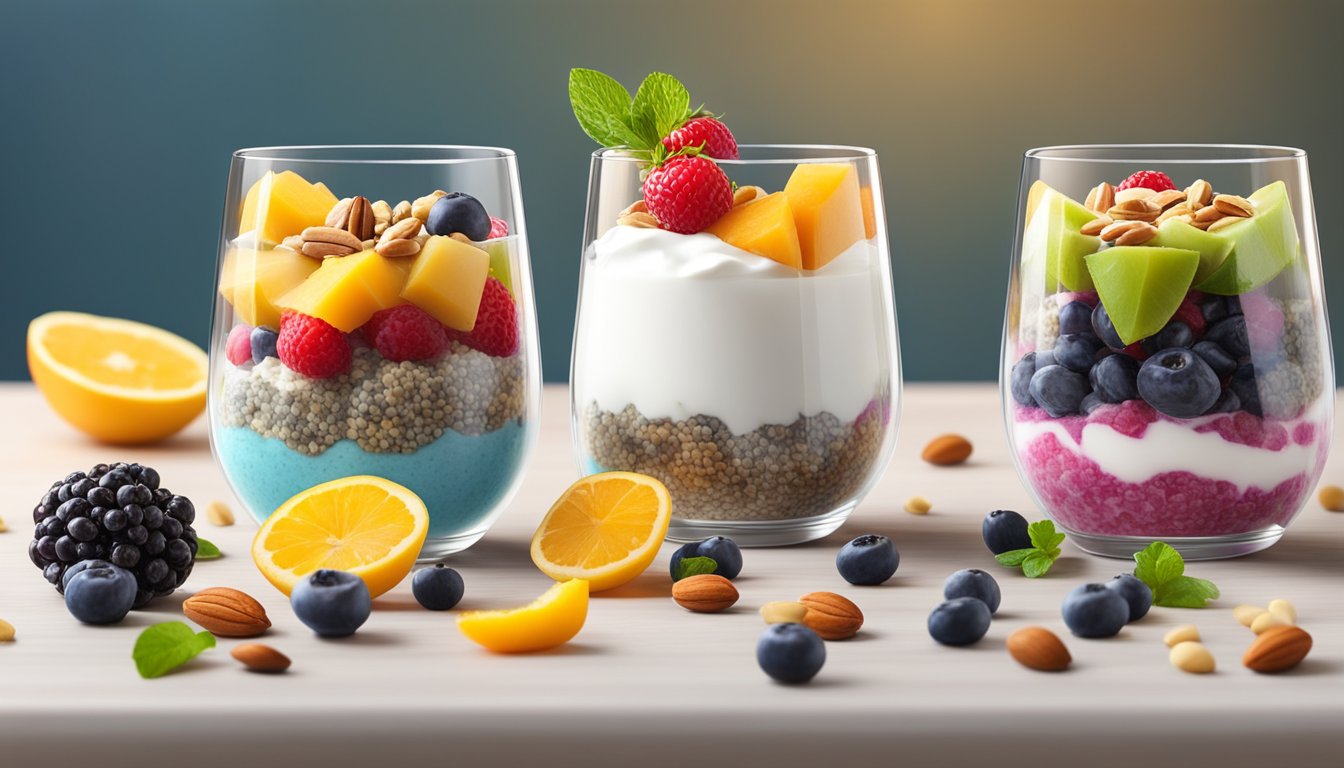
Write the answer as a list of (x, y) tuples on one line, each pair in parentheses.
[(685, 325), (1170, 447)]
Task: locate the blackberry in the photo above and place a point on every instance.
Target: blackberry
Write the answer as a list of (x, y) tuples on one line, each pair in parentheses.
[(118, 513)]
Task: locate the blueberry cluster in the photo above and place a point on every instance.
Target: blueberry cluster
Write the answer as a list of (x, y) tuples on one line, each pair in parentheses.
[(117, 513), (971, 597), (1185, 374), (1102, 610)]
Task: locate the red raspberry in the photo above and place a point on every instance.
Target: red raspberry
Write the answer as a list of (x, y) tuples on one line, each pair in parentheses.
[(718, 141), (406, 332), (687, 194), (238, 349), (1189, 314), (498, 228), (1154, 180), (312, 346), (496, 331)]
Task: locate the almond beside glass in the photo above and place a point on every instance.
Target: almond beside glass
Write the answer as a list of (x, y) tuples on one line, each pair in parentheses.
[(1040, 649), (226, 612), (705, 593), (946, 450), (832, 616)]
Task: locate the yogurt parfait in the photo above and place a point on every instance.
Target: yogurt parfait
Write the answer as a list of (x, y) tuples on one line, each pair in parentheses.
[(1167, 372), (735, 342)]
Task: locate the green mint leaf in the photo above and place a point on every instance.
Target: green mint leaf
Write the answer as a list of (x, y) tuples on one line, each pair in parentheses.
[(1185, 592), (1013, 557), (694, 566), (1037, 564), (661, 105), (161, 648), (1043, 536), (601, 105), (1157, 564), (206, 549)]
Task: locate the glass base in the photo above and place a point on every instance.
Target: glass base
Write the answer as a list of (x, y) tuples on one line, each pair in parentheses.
[(440, 547), (760, 533), (1190, 547)]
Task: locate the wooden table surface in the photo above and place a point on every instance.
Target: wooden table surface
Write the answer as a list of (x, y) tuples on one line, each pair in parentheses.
[(648, 684)]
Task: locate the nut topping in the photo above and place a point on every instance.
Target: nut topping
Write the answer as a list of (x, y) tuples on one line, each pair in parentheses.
[(1134, 210), (1234, 205), (361, 221), (1168, 198), (406, 229), (1101, 198), (1134, 193), (398, 248), (1095, 226), (1199, 194), (340, 213), (1112, 232), (324, 242), (1138, 234), (401, 211)]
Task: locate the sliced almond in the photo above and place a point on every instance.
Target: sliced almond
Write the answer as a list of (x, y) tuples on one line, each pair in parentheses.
[(340, 213), (1199, 194), (1139, 234), (1134, 193), (1095, 226), (1101, 198), (1134, 210), (1234, 205), (1168, 198), (394, 249)]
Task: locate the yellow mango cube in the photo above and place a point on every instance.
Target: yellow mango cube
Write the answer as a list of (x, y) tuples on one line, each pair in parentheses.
[(764, 227), (252, 281), (447, 279), (827, 210), (346, 291), (282, 204)]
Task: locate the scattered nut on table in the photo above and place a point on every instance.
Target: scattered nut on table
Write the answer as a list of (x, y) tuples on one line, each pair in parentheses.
[(6, 631), (781, 612), (218, 513), (1284, 611), (918, 505), (260, 658), (1247, 614), (1331, 498), (947, 450), (1192, 657), (1186, 633)]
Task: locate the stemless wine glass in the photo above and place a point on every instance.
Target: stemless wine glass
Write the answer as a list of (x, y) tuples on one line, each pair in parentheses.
[(1167, 369), (762, 394), (349, 340)]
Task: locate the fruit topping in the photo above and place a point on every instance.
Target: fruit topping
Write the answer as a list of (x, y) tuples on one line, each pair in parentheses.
[(446, 280), (973, 582), (1075, 317), (959, 621), (790, 653), (1077, 351), (1058, 390), (332, 603), (1213, 248), (1004, 531), (1173, 334), (117, 513), (764, 226), (687, 194), (498, 228), (261, 343), (282, 204), (406, 333), (1093, 610), (1141, 286), (868, 560), (437, 588), (827, 210), (347, 290), (1114, 379), (238, 347), (706, 134), (312, 346), (1154, 180), (1053, 249), (252, 281), (1263, 244), (1179, 383), (496, 331), (459, 212)]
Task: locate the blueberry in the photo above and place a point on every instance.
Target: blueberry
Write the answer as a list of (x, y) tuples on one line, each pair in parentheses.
[(1004, 530), (1179, 383), (1093, 610), (1045, 358), (1105, 329), (973, 582), (1075, 317), (1020, 379), (82, 529), (790, 653), (459, 212), (868, 560), (1173, 334), (1230, 334), (1077, 351), (1228, 402), (1090, 404), (263, 346), (1137, 594), (1058, 390), (959, 621), (80, 566), (100, 594), (725, 553), (438, 588), (1247, 389), (1115, 378), (684, 551), (331, 603), (1214, 308), (1223, 364)]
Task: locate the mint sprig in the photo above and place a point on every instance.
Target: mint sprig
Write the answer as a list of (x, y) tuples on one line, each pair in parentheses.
[(608, 114), (206, 549), (695, 566), (161, 648), (1037, 559), (1162, 568)]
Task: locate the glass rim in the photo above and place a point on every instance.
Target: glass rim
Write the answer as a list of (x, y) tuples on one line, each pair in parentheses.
[(294, 153), (839, 153), (1252, 153)]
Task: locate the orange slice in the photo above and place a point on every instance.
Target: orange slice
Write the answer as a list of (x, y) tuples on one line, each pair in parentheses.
[(117, 380), (366, 525), (605, 528), (551, 620)]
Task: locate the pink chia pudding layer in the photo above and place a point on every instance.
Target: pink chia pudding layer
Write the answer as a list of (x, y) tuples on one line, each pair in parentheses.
[(1128, 470)]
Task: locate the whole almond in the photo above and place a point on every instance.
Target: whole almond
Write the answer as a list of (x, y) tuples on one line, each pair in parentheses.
[(705, 593), (1040, 649), (293, 243), (1277, 649), (361, 220), (226, 612), (1139, 234), (1134, 210), (1199, 194), (1101, 198), (260, 658), (340, 213), (946, 450), (831, 616), (1233, 205), (1095, 226)]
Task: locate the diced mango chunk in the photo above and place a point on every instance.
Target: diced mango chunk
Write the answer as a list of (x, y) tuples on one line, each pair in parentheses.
[(253, 281), (826, 209), (282, 204), (346, 291), (764, 227), (446, 281)]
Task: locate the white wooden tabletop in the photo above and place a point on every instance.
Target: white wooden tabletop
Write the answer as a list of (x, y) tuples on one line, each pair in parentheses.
[(648, 684)]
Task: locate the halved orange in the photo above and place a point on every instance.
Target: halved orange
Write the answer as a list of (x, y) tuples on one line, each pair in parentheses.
[(605, 529), (551, 620), (117, 380), (366, 525)]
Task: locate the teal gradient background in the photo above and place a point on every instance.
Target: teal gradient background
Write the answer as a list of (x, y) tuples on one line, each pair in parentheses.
[(120, 118)]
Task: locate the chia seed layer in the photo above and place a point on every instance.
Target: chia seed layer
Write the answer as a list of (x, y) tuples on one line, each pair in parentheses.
[(776, 472), (384, 406)]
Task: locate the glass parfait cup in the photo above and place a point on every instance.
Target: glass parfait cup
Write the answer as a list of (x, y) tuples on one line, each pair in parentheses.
[(377, 348), (762, 394), (1167, 370)]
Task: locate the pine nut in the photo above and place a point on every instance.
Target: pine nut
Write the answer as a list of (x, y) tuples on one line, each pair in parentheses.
[(1186, 633), (918, 505), (1192, 657)]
